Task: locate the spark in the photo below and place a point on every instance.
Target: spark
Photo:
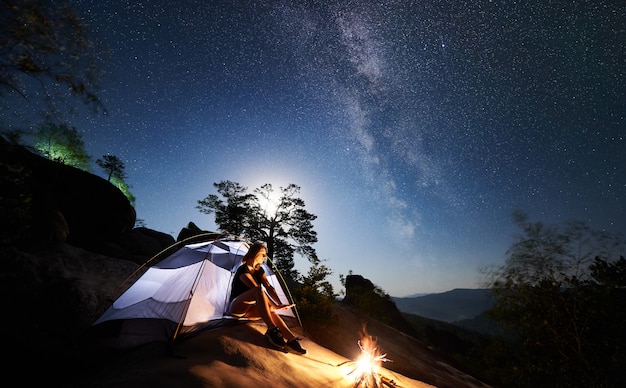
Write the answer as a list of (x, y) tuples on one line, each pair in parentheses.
[(365, 373)]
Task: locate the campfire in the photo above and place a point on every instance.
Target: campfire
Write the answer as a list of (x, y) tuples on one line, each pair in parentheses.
[(365, 371)]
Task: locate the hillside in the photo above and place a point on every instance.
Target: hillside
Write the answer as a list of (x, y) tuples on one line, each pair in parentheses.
[(451, 306)]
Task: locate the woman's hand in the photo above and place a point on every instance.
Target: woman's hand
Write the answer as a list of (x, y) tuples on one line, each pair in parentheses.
[(285, 306)]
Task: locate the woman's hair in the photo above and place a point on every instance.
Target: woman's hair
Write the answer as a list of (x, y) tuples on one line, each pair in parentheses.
[(254, 249)]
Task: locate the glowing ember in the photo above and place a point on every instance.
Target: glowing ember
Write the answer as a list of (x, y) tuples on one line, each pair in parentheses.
[(365, 373)]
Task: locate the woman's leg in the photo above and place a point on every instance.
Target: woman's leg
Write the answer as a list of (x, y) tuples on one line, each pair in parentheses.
[(277, 319), (253, 304), (282, 326)]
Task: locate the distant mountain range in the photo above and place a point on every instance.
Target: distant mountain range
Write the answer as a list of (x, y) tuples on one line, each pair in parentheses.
[(451, 306)]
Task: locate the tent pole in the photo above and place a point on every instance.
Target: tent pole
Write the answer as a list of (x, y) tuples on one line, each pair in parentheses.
[(284, 284), (192, 291)]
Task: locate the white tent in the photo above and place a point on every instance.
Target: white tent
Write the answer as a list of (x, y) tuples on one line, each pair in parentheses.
[(183, 293)]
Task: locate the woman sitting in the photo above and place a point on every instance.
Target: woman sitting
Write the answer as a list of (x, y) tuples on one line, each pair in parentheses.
[(248, 300)]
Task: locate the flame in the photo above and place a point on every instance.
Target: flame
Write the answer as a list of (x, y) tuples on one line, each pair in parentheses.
[(365, 373)]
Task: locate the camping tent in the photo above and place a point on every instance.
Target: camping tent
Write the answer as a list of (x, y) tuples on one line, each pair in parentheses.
[(185, 292)]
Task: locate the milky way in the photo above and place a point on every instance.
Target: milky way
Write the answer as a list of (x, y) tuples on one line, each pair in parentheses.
[(415, 128)]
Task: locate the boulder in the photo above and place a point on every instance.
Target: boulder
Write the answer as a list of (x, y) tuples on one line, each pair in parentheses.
[(43, 201), (370, 299), (137, 245), (46, 201), (189, 231)]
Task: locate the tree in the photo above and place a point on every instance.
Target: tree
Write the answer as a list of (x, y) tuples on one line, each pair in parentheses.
[(548, 296), (116, 174), (286, 226), (46, 41), (282, 222), (233, 213), (114, 169), (62, 144), (112, 166), (315, 295)]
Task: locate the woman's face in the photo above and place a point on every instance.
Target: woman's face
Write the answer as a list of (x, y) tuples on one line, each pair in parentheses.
[(259, 258)]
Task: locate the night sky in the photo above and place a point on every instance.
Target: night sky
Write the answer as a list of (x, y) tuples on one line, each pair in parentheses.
[(414, 128)]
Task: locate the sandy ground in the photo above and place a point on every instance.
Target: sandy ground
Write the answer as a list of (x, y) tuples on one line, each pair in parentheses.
[(237, 356), (240, 356)]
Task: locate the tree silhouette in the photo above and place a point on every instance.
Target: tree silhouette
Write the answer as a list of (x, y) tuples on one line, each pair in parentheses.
[(234, 212), (46, 41), (112, 166), (286, 226), (558, 296), (116, 174)]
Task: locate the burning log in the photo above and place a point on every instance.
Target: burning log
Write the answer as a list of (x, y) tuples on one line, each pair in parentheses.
[(365, 373)]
